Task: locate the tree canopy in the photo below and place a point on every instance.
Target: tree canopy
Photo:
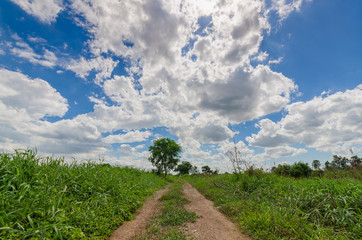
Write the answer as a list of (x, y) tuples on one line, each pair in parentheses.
[(316, 164), (165, 155), (184, 168)]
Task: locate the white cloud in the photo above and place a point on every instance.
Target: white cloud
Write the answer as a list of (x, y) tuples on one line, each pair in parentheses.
[(103, 66), (74, 137), (262, 56), (248, 95), (275, 61), (132, 157), (36, 39), (196, 93), (23, 50), (212, 133), (277, 152), (34, 96), (167, 87), (23, 102), (331, 123), (45, 10), (132, 136), (285, 7)]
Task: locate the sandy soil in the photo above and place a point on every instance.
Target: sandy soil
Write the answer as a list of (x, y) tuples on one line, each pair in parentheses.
[(130, 229), (212, 224)]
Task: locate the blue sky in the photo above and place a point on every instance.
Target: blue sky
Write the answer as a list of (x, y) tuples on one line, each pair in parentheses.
[(103, 78)]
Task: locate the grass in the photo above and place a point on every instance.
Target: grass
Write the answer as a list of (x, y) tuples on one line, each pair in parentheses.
[(169, 223), (47, 198), (267, 206)]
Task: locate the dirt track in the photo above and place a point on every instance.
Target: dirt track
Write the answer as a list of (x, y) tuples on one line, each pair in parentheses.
[(130, 229), (211, 224)]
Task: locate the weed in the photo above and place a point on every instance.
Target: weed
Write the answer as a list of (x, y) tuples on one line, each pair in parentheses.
[(173, 211), (173, 216)]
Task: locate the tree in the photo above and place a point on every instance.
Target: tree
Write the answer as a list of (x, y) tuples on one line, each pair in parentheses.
[(165, 155), (238, 155), (316, 164), (356, 162), (296, 170), (206, 169), (184, 168), (300, 170), (194, 170), (339, 162)]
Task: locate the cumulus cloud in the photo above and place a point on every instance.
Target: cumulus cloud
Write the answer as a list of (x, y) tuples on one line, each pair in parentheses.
[(23, 102), (262, 56), (35, 97), (150, 27), (327, 123), (132, 136), (188, 65), (212, 133), (45, 10), (285, 7), (248, 95), (73, 137), (277, 152), (130, 156), (102, 66), (220, 91)]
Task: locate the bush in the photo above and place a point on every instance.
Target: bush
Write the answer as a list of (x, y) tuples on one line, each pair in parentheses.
[(318, 173), (282, 170), (300, 170), (297, 170), (251, 171)]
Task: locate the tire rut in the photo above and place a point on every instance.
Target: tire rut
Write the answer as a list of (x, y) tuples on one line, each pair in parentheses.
[(130, 229), (212, 225)]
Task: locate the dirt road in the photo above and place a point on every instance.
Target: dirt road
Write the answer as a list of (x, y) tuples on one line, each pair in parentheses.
[(211, 224), (130, 229)]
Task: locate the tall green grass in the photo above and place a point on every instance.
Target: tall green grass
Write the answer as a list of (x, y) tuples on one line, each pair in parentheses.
[(267, 206), (47, 198)]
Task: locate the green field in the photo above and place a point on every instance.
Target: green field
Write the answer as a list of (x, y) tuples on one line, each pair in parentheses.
[(267, 206), (47, 198)]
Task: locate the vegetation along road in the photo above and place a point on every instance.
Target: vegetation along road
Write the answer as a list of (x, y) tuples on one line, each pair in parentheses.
[(49, 198)]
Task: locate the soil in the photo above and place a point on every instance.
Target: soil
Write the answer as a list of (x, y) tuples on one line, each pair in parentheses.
[(212, 224), (130, 229)]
